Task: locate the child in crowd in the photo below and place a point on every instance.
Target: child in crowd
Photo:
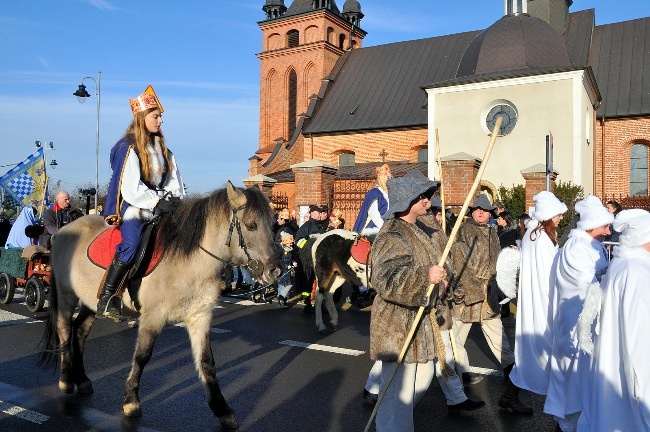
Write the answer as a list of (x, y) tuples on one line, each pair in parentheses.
[(289, 257)]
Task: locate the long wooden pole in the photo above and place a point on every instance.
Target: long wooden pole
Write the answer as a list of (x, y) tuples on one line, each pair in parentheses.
[(452, 238), (442, 188)]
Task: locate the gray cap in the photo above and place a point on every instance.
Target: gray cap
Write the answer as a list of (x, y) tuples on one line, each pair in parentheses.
[(482, 202), (402, 191)]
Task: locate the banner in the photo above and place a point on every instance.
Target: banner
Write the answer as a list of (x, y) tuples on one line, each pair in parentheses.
[(26, 181)]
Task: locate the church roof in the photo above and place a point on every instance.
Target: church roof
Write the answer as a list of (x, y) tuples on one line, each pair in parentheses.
[(299, 7), (380, 87)]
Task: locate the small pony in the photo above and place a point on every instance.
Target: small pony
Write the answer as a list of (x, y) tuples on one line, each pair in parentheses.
[(330, 257), (183, 287)]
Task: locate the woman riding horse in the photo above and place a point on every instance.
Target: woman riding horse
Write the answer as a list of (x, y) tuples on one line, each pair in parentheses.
[(144, 176)]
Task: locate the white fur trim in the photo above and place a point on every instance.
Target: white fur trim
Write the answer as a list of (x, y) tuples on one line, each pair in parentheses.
[(156, 161), (137, 213), (589, 314), (507, 269)]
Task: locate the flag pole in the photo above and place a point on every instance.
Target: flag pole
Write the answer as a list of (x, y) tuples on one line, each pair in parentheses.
[(442, 188)]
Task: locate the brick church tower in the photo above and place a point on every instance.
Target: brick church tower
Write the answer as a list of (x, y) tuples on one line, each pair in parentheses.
[(300, 46)]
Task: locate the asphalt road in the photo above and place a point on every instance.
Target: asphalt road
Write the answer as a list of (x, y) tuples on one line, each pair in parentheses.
[(275, 370)]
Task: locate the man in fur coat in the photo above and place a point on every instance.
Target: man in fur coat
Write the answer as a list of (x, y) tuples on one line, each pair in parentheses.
[(620, 388), (404, 264), (581, 262), (474, 256)]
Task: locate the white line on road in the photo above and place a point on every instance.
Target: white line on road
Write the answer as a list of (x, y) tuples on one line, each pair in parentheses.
[(485, 371), (9, 318), (318, 347), (23, 413)]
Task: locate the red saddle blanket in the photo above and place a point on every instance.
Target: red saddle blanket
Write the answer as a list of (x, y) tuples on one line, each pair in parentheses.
[(361, 250), (102, 250)]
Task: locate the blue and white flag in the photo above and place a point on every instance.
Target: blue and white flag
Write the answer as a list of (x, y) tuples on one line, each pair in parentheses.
[(25, 182)]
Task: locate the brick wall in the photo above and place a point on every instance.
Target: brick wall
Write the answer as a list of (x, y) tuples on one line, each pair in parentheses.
[(618, 136), (458, 177)]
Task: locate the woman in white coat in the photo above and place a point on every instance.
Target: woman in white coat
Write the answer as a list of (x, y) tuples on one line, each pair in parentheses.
[(620, 394), (533, 339), (581, 262)]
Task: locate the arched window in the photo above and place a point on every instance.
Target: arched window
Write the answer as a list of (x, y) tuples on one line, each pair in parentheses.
[(293, 38), (342, 41), (346, 159), (639, 169), (292, 98)]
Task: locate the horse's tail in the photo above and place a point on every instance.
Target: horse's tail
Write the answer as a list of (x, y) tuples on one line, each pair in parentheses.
[(49, 343), (305, 258)]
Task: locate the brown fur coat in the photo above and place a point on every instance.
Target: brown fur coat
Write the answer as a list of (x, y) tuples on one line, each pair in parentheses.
[(401, 255), (474, 255)]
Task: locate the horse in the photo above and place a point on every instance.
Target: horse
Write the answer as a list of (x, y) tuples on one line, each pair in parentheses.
[(183, 287), (329, 257)]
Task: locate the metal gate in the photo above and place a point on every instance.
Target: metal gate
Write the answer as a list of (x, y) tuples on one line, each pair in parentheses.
[(348, 195), (279, 200)]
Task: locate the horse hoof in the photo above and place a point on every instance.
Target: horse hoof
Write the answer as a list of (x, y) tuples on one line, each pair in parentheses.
[(66, 387), (132, 410), (229, 422), (85, 387)]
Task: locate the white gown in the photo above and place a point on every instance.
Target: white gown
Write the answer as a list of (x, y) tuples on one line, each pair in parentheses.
[(620, 395), (581, 262), (533, 339)]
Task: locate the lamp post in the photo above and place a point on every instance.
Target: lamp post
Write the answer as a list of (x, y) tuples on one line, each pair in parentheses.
[(82, 94)]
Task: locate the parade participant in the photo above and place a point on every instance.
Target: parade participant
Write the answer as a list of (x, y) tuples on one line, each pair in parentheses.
[(533, 340), (474, 255), (5, 227), (316, 224), (451, 385), (404, 264), (144, 175), (620, 393), (374, 205), (17, 237), (581, 262), (57, 217)]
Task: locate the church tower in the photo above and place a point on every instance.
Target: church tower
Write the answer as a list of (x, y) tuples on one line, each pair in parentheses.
[(300, 46)]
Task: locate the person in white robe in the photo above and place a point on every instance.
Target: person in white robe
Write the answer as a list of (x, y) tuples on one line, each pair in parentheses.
[(533, 339), (581, 262), (620, 393)]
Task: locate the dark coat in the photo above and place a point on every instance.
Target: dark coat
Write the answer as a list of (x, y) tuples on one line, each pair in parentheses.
[(55, 220), (474, 256)]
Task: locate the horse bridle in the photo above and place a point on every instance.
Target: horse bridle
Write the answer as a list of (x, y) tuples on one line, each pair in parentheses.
[(255, 267)]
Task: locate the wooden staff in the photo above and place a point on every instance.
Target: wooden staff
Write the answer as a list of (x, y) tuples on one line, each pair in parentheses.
[(442, 188), (452, 237)]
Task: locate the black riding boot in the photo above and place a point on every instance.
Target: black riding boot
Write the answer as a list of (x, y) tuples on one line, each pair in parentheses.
[(510, 398), (109, 304)]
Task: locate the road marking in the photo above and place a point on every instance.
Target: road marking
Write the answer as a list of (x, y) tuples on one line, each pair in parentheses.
[(485, 371), (212, 329), (239, 301), (319, 347), (9, 318), (23, 413)]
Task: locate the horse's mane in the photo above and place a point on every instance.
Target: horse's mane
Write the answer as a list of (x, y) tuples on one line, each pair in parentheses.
[(182, 229)]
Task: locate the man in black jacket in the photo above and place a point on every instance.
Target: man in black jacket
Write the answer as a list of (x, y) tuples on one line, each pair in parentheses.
[(56, 217), (317, 224)]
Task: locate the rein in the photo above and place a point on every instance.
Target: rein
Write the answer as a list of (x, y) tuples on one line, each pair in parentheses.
[(255, 267)]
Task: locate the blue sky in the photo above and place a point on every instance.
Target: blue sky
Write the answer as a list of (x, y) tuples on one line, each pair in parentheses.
[(200, 57)]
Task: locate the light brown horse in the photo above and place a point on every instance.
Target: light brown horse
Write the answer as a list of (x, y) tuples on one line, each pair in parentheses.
[(199, 237)]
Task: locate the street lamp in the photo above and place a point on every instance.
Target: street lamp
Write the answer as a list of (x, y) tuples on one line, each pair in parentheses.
[(82, 94), (47, 146)]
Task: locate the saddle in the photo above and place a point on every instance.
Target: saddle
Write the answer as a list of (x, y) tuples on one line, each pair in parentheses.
[(102, 250), (360, 250)]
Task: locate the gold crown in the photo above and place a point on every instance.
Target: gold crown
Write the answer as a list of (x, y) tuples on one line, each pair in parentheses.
[(147, 99)]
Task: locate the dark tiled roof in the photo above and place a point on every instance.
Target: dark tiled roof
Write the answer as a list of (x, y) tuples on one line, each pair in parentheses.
[(577, 36), (514, 42), (620, 58), (380, 87), (299, 7)]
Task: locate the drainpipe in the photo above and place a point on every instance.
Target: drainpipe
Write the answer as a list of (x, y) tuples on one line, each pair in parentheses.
[(602, 146)]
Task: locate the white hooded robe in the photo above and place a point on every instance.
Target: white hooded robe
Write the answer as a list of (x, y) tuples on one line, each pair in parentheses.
[(620, 395), (582, 261), (533, 339)]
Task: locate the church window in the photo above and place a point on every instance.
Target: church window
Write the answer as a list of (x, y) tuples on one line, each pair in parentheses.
[(330, 35), (342, 41), (292, 98), (423, 155), (639, 169), (346, 159), (515, 7), (293, 38)]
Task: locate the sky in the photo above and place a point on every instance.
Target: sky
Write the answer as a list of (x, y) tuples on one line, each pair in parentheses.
[(200, 57)]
